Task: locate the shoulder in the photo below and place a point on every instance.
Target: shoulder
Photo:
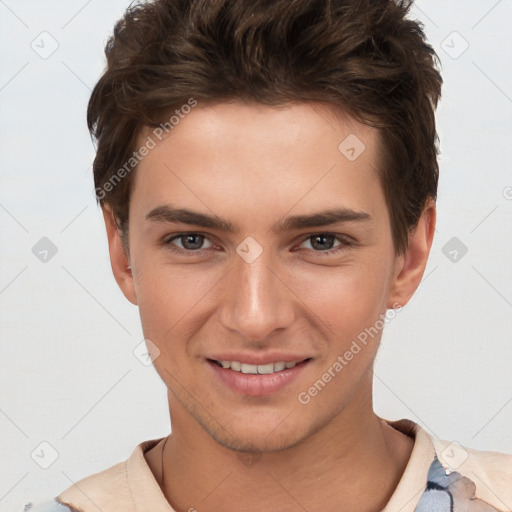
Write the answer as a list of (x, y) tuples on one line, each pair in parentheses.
[(101, 491), (110, 489), (490, 472), (453, 475)]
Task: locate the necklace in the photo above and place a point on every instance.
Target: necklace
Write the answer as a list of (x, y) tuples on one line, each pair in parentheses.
[(163, 468)]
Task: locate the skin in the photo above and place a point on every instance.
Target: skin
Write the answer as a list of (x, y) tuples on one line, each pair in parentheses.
[(255, 165)]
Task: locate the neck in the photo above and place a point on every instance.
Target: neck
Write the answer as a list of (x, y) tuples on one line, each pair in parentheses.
[(353, 463)]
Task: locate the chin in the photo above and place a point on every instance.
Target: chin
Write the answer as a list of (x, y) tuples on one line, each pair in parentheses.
[(259, 435), (256, 442)]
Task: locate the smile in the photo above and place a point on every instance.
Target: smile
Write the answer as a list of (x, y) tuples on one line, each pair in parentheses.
[(257, 379)]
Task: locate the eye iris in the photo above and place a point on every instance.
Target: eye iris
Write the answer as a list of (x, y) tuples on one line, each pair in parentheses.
[(321, 237), (188, 237)]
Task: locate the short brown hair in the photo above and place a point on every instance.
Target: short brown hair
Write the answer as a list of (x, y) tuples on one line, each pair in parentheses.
[(361, 57)]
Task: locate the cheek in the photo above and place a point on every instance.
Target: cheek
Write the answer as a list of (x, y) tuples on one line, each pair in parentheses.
[(169, 297), (349, 295), (163, 312)]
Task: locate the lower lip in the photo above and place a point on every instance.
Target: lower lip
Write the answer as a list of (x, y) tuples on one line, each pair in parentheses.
[(260, 384)]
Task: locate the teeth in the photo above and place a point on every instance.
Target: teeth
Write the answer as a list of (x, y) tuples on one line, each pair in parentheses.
[(255, 369)]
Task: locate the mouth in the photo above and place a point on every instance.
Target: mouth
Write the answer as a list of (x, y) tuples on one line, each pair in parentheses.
[(257, 379)]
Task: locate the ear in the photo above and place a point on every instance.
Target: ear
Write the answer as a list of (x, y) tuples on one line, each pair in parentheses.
[(118, 258), (410, 266)]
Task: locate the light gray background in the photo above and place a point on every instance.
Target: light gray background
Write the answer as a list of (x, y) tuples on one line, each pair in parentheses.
[(68, 373)]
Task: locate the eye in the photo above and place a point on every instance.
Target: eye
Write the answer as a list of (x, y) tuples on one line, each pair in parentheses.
[(323, 243), (190, 243)]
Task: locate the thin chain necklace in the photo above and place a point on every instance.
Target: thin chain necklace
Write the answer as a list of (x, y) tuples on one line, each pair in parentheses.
[(163, 468)]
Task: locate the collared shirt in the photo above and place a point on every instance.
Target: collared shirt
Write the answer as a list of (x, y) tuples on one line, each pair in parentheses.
[(440, 476)]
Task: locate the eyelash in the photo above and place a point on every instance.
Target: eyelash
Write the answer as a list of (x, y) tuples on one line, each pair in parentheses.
[(345, 243)]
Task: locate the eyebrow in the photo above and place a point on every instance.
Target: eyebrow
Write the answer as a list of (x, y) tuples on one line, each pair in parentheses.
[(168, 214)]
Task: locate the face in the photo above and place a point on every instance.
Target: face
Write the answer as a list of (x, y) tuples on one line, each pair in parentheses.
[(256, 243)]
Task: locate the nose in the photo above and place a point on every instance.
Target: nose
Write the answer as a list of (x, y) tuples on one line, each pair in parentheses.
[(256, 298)]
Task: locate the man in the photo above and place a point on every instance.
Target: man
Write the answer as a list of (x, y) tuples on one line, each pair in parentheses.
[(268, 173)]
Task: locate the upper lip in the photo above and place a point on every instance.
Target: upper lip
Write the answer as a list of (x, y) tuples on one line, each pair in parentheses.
[(266, 358)]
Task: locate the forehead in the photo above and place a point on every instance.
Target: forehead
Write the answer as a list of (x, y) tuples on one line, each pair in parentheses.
[(232, 123), (263, 156)]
